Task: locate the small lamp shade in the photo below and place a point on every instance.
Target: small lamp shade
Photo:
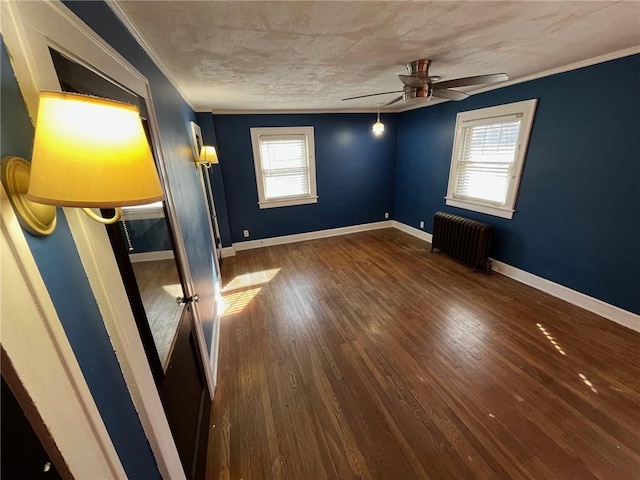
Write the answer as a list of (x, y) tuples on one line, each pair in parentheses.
[(91, 152), (208, 155)]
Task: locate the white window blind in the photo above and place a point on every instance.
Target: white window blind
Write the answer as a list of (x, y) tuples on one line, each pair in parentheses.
[(285, 167), (284, 158), (488, 154), (486, 160)]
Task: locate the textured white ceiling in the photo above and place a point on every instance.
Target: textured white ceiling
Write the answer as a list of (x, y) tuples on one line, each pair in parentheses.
[(264, 55)]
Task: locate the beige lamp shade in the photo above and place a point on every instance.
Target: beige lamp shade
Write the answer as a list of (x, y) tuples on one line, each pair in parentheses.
[(208, 155), (91, 152)]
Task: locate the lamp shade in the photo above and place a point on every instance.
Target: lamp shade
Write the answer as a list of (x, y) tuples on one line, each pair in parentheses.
[(91, 152), (208, 155)]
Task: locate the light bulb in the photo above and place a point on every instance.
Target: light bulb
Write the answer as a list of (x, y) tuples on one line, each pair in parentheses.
[(378, 128)]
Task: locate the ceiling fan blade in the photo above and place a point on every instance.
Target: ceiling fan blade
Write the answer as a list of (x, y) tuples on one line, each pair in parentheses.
[(395, 100), (466, 81), (412, 81), (449, 94), (372, 95)]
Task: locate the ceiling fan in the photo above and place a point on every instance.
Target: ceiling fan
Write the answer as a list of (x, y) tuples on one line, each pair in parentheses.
[(418, 84)]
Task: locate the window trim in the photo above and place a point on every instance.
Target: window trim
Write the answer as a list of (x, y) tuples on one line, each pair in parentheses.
[(527, 111), (144, 212), (308, 132)]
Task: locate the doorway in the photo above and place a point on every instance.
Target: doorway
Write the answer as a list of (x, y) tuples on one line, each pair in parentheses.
[(153, 282)]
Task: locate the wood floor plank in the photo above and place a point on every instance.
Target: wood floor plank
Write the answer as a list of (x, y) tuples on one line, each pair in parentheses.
[(368, 356)]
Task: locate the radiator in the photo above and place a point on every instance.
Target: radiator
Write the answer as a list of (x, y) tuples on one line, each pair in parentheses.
[(464, 239)]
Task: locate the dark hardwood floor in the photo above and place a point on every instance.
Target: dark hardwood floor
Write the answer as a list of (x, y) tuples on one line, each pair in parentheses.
[(367, 356)]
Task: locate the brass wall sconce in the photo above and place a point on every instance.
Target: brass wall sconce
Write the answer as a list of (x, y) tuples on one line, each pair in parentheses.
[(88, 152), (208, 156)]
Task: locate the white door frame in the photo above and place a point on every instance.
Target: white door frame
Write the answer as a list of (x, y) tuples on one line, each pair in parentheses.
[(28, 29), (207, 195), (37, 346)]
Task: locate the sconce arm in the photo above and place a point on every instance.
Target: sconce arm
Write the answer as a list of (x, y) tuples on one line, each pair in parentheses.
[(106, 221)]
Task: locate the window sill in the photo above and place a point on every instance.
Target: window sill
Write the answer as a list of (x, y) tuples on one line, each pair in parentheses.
[(287, 202), (502, 212)]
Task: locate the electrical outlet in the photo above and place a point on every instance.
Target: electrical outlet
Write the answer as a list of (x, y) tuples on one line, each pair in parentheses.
[(421, 224), (386, 214), (245, 233)]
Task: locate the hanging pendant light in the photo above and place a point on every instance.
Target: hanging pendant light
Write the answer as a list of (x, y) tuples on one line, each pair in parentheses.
[(378, 127)]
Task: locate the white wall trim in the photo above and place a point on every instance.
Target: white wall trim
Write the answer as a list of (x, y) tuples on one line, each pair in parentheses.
[(135, 32), (301, 237), (594, 305), (534, 76), (139, 37), (35, 342), (567, 68), (228, 251), (151, 256), (404, 107), (301, 111), (28, 29), (421, 234)]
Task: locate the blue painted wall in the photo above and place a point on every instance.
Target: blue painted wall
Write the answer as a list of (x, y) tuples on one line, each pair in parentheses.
[(205, 120), (66, 281), (174, 115), (354, 172), (578, 209)]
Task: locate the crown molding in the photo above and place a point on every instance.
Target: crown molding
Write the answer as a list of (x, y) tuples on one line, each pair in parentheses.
[(626, 52), (115, 7), (124, 18), (534, 76), (296, 112)]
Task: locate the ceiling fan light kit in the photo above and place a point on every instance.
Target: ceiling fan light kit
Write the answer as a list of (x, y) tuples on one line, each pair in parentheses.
[(420, 86)]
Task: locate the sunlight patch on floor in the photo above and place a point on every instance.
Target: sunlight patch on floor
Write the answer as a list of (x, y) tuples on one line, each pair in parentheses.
[(587, 382), (553, 342), (173, 290), (237, 301), (239, 292), (251, 279)]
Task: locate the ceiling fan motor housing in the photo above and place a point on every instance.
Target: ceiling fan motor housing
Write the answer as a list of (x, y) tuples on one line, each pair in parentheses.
[(422, 93), (418, 85), (419, 68)]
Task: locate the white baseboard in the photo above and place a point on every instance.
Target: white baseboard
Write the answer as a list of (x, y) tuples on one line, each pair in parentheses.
[(606, 310), (300, 237), (150, 256), (228, 252), (421, 234)]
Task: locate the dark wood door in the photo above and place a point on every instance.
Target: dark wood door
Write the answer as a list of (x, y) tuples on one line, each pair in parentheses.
[(181, 379), (187, 403), (182, 385), (23, 455)]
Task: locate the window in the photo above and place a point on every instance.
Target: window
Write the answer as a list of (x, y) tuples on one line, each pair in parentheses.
[(488, 155), (285, 166)]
